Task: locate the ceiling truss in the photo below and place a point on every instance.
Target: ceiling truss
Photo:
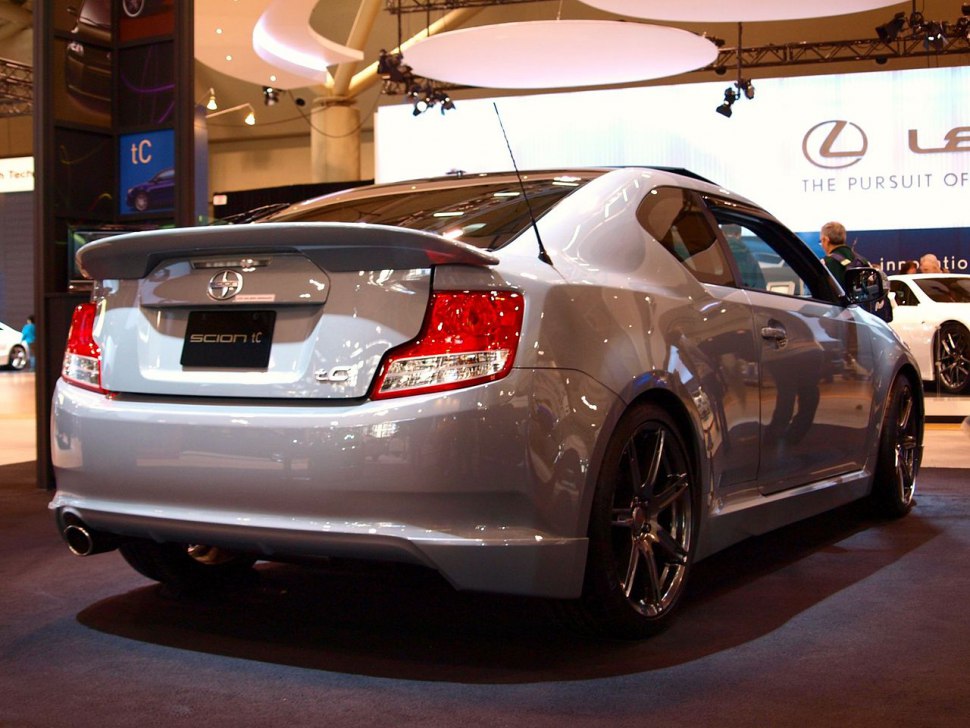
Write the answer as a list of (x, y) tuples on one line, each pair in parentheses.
[(16, 89)]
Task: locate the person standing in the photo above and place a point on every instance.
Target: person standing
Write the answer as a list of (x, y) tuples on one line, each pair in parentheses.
[(838, 255), (28, 336), (929, 263)]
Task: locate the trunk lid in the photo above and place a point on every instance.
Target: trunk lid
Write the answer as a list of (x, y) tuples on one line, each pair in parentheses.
[(274, 311)]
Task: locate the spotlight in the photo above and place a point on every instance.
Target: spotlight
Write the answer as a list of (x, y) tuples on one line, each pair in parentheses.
[(890, 31), (730, 96), (212, 105), (747, 88), (934, 38), (391, 67), (271, 96), (965, 8), (447, 104)]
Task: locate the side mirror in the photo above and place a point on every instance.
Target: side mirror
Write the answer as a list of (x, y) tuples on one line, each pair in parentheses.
[(864, 285), (867, 288)]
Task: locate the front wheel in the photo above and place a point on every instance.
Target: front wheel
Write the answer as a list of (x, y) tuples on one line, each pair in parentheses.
[(900, 446), (642, 528), (185, 567), (953, 358)]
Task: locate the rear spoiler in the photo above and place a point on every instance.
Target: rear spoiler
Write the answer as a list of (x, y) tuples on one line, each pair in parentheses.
[(331, 246)]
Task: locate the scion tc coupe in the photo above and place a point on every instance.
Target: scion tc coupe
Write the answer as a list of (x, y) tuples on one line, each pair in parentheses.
[(572, 384)]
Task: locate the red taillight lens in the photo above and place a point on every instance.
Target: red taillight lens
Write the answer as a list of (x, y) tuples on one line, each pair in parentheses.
[(468, 337), (82, 357)]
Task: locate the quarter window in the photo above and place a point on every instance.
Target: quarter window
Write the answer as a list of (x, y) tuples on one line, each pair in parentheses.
[(677, 219)]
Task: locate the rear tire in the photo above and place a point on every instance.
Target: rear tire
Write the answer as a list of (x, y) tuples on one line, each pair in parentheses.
[(642, 529), (894, 485), (183, 567)]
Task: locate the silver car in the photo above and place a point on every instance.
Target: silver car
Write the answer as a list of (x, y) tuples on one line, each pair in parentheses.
[(570, 384)]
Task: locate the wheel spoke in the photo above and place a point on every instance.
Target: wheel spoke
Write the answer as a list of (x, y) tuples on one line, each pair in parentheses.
[(673, 551), (655, 459), (653, 587), (631, 570), (674, 488), (905, 412), (622, 518)]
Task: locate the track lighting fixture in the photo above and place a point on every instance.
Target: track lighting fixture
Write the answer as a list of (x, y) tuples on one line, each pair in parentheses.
[(888, 32), (249, 120), (730, 96), (426, 96), (271, 96), (211, 105), (934, 34)]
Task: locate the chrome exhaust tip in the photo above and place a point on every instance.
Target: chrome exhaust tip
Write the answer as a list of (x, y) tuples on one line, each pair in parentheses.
[(83, 542)]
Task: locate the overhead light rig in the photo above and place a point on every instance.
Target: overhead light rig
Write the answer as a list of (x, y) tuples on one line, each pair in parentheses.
[(398, 79), (838, 51), (16, 89)]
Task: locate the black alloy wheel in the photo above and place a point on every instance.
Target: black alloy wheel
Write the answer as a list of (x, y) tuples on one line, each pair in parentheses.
[(900, 452), (642, 528), (953, 357)]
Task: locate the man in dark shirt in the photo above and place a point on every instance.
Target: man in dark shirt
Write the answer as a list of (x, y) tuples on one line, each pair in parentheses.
[(838, 255)]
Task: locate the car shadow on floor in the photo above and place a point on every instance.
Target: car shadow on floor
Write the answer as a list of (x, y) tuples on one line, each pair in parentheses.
[(406, 623)]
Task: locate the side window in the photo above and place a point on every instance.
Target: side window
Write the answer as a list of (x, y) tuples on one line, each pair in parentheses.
[(770, 259), (762, 267), (904, 296), (678, 220)]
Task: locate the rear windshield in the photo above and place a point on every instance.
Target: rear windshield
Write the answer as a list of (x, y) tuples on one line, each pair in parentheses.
[(487, 216), (945, 290)]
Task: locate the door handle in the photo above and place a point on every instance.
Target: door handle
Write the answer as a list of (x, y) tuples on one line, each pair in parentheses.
[(775, 333)]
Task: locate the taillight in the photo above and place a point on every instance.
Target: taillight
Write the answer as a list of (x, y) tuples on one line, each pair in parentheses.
[(468, 337), (82, 357)]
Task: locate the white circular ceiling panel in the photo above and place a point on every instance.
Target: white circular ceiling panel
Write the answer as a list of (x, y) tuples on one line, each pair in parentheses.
[(719, 11), (558, 54)]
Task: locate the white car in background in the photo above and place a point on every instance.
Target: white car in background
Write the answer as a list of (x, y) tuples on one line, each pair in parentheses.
[(13, 352), (932, 315)]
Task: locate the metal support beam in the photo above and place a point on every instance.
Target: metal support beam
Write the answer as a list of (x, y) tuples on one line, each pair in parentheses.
[(838, 51), (16, 88)]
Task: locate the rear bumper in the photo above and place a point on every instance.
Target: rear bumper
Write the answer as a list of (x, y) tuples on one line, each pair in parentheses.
[(485, 485)]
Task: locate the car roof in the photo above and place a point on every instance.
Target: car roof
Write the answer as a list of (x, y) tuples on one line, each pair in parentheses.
[(663, 175)]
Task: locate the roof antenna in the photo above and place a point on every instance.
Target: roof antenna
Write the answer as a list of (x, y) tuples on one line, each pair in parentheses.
[(543, 255)]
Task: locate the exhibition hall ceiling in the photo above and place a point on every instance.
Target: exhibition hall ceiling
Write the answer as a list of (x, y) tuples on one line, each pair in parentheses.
[(352, 29)]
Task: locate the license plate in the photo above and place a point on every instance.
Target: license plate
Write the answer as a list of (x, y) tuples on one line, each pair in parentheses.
[(228, 339)]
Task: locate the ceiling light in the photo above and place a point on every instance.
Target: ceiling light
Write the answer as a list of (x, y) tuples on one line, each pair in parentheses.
[(212, 105), (934, 38), (271, 96), (730, 96), (888, 32), (250, 117)]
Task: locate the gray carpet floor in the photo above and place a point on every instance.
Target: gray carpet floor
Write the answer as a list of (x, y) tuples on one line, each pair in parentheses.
[(837, 621)]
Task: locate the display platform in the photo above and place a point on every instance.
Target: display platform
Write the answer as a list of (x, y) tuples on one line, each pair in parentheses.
[(946, 408)]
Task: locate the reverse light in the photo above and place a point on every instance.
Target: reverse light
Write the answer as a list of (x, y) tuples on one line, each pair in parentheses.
[(468, 338), (82, 356)]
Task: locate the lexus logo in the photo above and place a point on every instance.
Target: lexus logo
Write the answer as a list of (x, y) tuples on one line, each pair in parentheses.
[(225, 285), (835, 144)]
